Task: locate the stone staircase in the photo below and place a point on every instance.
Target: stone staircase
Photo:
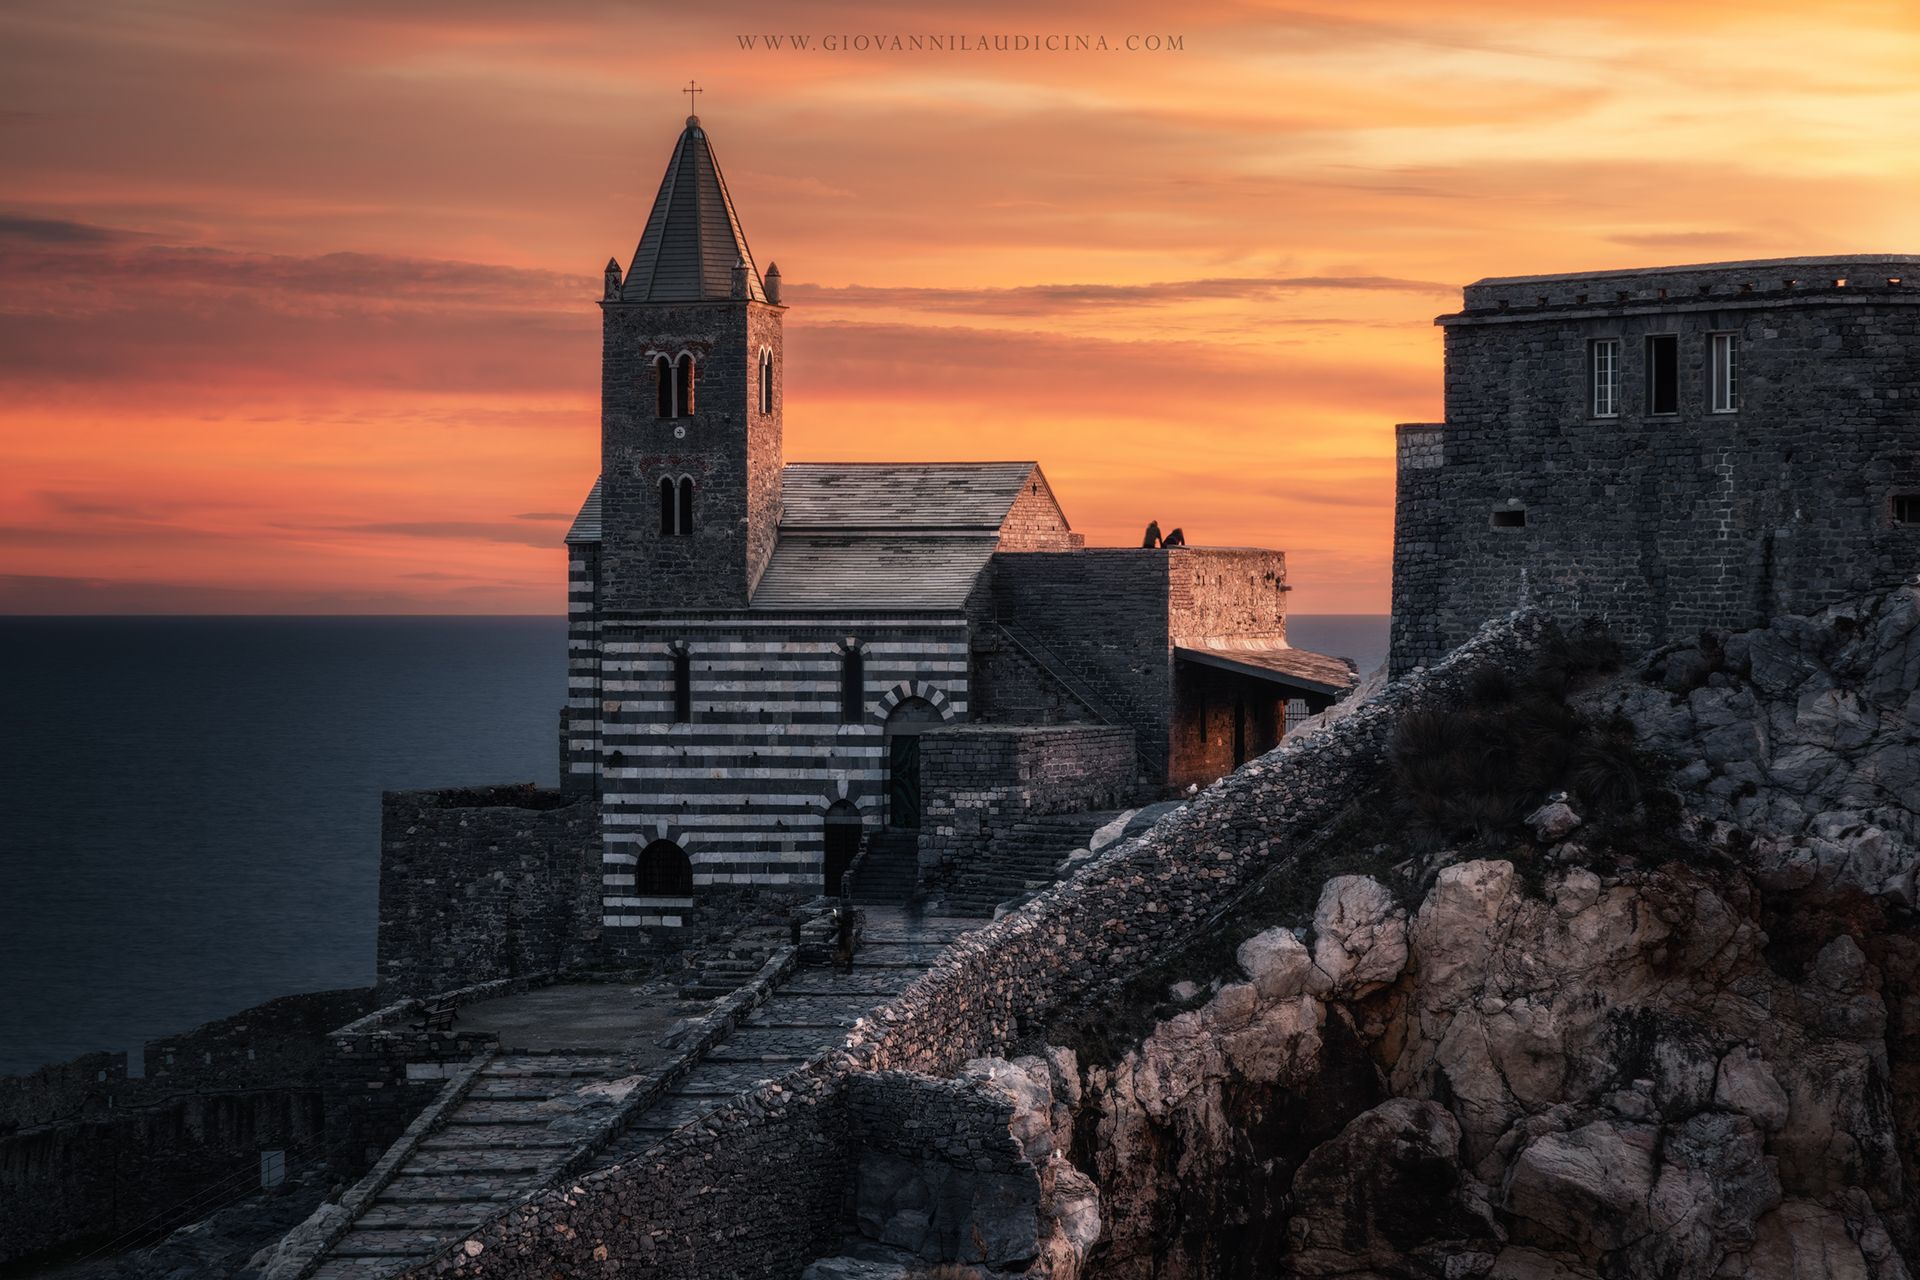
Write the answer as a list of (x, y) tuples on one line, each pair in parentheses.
[(1027, 858), (890, 872), (521, 1116), (721, 969)]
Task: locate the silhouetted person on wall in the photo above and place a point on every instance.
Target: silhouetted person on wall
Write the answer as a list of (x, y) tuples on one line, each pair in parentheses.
[(1153, 534), (1177, 538)]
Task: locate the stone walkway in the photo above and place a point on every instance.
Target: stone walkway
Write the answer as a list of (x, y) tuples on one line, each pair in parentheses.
[(570, 1054), (812, 1011)]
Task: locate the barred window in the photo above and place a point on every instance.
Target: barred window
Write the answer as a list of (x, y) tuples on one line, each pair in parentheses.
[(1603, 363), (1724, 372)]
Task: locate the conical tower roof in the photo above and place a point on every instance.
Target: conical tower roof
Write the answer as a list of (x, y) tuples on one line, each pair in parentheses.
[(693, 237)]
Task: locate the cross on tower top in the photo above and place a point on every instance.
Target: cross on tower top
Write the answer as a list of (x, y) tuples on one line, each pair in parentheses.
[(693, 103)]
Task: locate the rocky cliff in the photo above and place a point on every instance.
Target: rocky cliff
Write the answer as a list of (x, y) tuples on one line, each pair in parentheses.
[(1666, 1024)]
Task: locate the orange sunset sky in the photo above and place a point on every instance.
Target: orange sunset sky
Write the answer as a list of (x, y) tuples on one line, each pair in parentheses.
[(298, 298)]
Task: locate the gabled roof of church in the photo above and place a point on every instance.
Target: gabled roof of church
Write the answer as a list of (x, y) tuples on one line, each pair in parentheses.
[(899, 495), (586, 525), (883, 571), (693, 236)]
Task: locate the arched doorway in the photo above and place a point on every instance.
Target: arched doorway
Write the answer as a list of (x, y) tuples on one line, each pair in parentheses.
[(904, 726), (665, 871), (842, 842)]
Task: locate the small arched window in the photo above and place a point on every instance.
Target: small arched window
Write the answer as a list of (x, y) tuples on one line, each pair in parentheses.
[(683, 381), (669, 518), (682, 686), (683, 510), (766, 380), (853, 686), (663, 387), (664, 871)]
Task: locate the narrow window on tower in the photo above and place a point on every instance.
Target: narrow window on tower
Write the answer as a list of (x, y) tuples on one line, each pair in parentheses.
[(663, 387), (766, 380), (853, 686), (1723, 372), (1663, 373), (669, 520), (682, 686), (1906, 510), (683, 381), (1603, 366), (683, 509)]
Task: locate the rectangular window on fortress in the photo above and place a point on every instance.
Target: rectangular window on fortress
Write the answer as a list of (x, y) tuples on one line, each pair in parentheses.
[(1906, 509), (1723, 372), (1603, 381), (1663, 373)]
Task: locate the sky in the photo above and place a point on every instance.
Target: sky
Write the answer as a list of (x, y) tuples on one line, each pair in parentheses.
[(297, 298)]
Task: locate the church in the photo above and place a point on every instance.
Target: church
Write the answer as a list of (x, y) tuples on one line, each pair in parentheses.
[(761, 651)]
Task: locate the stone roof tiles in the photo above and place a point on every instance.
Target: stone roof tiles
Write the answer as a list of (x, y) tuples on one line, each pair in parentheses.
[(693, 237), (872, 571), (900, 495)]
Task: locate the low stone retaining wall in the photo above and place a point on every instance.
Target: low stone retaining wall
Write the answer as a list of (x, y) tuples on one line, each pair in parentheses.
[(758, 1187)]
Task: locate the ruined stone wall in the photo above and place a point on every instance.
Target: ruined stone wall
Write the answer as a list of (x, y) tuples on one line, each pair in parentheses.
[(1226, 593), (1663, 524), (87, 1152), (977, 781), (485, 883)]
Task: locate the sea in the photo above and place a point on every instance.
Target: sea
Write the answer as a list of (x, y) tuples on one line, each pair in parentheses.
[(190, 807)]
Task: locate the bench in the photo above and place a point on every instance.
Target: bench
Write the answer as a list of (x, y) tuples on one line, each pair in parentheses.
[(438, 1015)]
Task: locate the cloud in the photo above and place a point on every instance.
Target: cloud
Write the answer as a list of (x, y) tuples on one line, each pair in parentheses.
[(58, 231), (543, 515), (473, 530), (1053, 299)]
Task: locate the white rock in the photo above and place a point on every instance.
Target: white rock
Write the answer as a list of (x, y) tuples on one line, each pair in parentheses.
[(1360, 936), (1277, 962)]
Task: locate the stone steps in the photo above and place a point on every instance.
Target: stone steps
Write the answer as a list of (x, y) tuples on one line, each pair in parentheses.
[(520, 1118), (890, 873), (1026, 858)]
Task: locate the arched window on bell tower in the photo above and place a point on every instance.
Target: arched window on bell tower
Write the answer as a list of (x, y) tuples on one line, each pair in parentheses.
[(683, 382), (766, 380), (683, 509), (663, 387), (669, 518)]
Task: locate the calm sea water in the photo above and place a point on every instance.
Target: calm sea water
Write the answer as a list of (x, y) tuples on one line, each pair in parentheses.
[(190, 807)]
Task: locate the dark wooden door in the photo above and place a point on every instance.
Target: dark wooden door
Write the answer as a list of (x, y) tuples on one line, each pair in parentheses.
[(903, 780)]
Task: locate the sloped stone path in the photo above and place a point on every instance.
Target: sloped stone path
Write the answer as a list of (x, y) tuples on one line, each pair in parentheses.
[(523, 1114), (810, 1012)]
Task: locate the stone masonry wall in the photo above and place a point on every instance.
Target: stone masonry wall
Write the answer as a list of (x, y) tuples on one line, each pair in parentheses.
[(1664, 524), (721, 1199), (486, 883), (728, 447), (976, 781)]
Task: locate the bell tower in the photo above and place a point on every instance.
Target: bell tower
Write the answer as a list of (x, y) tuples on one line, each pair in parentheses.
[(690, 437)]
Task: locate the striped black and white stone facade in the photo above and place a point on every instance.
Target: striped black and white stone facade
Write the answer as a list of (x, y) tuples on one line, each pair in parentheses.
[(744, 785)]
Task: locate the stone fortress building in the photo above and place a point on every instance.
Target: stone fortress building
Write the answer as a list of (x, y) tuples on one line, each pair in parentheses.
[(1668, 449), (762, 652)]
